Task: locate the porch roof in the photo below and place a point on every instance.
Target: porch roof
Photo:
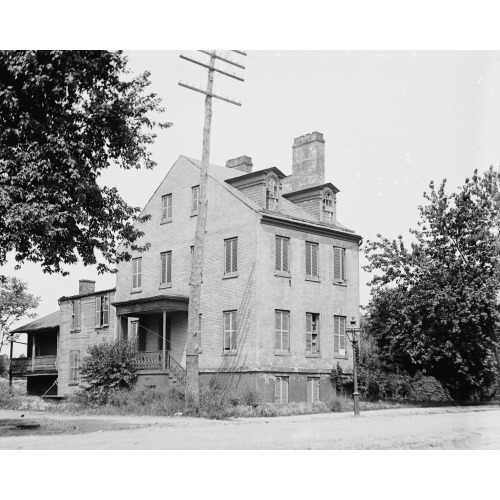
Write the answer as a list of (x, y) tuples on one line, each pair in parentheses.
[(150, 304), (51, 321)]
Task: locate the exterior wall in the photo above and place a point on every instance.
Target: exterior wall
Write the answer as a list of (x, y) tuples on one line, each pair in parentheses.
[(80, 340), (256, 193), (227, 218), (299, 296), (312, 207)]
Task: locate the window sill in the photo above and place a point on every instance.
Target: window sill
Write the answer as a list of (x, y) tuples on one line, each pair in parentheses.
[(194, 214), (338, 356), (72, 384), (165, 221), (282, 274), (229, 276), (165, 285), (136, 290), (99, 328), (313, 278), (229, 353), (281, 353), (75, 330), (318, 355), (340, 283)]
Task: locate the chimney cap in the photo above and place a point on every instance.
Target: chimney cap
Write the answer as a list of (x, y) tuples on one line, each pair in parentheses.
[(306, 138), (241, 160)]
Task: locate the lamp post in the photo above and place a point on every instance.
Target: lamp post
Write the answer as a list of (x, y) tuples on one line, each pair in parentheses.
[(353, 336)]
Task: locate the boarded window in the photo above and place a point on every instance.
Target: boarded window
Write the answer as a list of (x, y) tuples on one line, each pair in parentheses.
[(166, 207), (272, 194), (312, 389), (137, 273), (230, 331), (312, 333), (166, 268), (75, 314), (311, 260), (328, 208), (339, 340), (231, 256), (281, 390), (195, 199), (282, 246), (282, 330), (101, 311), (339, 264), (74, 366)]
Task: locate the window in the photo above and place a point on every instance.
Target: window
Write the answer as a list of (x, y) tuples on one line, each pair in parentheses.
[(166, 268), (339, 265), (166, 208), (195, 199), (282, 330), (74, 366), (339, 335), (272, 194), (282, 245), (311, 260), (230, 329), (231, 256), (328, 208), (312, 333), (136, 273), (312, 389), (281, 390), (75, 314), (101, 311)]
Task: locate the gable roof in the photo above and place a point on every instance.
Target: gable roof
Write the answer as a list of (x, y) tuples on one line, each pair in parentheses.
[(288, 211), (43, 323)]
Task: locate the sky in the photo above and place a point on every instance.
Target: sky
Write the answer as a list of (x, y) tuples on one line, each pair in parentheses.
[(392, 122)]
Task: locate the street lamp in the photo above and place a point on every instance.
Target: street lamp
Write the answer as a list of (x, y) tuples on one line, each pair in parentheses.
[(353, 336)]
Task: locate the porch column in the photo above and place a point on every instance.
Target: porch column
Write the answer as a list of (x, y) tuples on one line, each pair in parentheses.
[(10, 364), (33, 354), (164, 363)]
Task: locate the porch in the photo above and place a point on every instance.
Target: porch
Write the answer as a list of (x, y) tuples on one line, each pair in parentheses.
[(40, 365), (158, 327)]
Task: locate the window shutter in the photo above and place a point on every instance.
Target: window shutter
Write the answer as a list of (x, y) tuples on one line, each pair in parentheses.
[(77, 314), (277, 390), (337, 264), (314, 260), (308, 259), (139, 272), (284, 390), (279, 242), (105, 308), (315, 390), (164, 207), (309, 390), (169, 267), (98, 311), (336, 334), (233, 331), (308, 332), (285, 254), (235, 256), (134, 273), (277, 328), (342, 335), (169, 206), (195, 191), (286, 331), (227, 331), (227, 246), (342, 267), (163, 277)]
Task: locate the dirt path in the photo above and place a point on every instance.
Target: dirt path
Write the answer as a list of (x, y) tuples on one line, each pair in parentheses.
[(443, 428)]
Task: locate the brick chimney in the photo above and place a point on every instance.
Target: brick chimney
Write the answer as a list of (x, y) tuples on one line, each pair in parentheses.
[(242, 163), (308, 165), (86, 286)]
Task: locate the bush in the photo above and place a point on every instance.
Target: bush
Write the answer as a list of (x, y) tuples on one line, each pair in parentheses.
[(110, 365)]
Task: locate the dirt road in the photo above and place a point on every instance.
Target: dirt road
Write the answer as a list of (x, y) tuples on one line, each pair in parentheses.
[(430, 428)]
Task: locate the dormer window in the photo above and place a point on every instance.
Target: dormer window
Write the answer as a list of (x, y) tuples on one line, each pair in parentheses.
[(272, 194), (328, 207)]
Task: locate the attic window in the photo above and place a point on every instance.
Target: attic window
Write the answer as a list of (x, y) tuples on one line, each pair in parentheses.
[(272, 194), (328, 207)]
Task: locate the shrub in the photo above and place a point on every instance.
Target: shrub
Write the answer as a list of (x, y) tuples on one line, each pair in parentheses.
[(110, 365), (428, 389)]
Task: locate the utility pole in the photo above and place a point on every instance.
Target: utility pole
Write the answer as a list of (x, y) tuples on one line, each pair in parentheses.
[(192, 367)]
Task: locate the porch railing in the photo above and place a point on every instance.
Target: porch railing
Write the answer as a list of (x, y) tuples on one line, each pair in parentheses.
[(26, 365), (153, 360)]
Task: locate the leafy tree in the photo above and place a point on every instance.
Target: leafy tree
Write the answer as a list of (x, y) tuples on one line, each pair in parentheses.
[(435, 303), (15, 304), (65, 116), (110, 365), (4, 365)]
